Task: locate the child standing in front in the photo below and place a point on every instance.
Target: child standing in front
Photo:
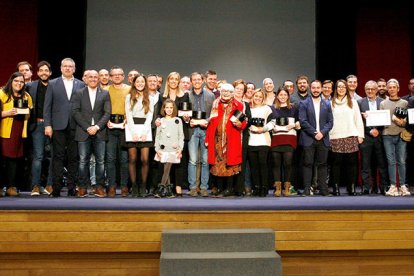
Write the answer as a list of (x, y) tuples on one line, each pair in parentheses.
[(169, 143)]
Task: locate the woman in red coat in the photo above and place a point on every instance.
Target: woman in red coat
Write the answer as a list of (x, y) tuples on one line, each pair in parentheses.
[(224, 139)]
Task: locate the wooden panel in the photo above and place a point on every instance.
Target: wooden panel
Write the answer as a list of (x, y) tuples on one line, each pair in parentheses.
[(125, 243)]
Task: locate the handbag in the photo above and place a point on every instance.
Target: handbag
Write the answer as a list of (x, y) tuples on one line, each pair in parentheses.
[(406, 135)]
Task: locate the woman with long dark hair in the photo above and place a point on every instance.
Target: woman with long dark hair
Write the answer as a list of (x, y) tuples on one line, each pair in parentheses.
[(13, 127)]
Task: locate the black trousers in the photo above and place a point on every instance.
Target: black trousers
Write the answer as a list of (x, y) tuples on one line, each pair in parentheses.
[(65, 154)]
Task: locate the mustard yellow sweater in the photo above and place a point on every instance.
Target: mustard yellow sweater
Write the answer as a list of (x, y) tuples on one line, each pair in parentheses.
[(7, 122)]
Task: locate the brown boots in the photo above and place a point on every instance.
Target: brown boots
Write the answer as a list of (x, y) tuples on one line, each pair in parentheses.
[(287, 188), (278, 188)]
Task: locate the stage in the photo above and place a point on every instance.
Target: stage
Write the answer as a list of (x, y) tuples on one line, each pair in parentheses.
[(362, 235)]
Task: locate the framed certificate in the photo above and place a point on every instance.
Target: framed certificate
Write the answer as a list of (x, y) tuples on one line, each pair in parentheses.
[(378, 118), (138, 129), (410, 116)]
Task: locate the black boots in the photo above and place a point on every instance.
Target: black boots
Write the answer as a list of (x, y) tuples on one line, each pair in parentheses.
[(335, 190), (351, 190)]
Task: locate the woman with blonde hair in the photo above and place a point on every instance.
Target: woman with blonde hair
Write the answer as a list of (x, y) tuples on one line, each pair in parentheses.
[(259, 142)]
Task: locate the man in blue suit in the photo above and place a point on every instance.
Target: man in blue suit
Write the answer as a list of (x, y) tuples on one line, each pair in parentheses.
[(316, 120), (372, 145), (59, 126)]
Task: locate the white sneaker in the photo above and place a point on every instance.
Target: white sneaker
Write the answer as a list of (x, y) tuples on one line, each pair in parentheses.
[(404, 191), (392, 191)]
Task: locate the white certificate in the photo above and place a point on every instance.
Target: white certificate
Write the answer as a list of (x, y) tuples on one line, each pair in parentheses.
[(139, 129), (378, 117), (410, 116), (167, 157), (23, 110)]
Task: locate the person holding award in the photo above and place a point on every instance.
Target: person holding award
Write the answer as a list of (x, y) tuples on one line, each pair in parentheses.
[(284, 140), (139, 109), (259, 142), (13, 127), (224, 139)]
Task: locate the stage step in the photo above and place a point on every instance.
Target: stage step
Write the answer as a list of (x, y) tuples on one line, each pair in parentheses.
[(218, 240), (219, 252)]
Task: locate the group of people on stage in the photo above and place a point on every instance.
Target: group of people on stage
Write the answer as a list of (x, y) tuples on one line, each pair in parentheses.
[(217, 138)]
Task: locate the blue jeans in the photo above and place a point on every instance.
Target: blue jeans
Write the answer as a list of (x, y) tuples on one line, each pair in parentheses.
[(113, 151), (40, 143), (396, 153), (197, 140), (85, 149)]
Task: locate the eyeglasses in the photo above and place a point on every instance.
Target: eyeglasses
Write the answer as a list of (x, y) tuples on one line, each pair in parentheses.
[(17, 81)]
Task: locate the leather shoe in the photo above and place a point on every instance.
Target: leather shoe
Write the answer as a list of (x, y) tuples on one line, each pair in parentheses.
[(72, 192), (82, 192), (365, 192), (228, 192)]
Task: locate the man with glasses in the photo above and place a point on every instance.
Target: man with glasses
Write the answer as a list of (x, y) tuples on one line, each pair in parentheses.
[(57, 114)]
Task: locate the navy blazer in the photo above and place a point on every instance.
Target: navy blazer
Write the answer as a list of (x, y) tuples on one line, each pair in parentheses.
[(307, 121), (57, 108), (364, 106), (83, 113)]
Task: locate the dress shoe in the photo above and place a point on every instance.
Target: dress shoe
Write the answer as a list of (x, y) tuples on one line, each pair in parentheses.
[(72, 192), (365, 192), (228, 192), (111, 191), (306, 192), (324, 193), (124, 191), (12, 191), (99, 192), (82, 192)]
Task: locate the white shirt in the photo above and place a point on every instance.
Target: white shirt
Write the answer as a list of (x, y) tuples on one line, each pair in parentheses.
[(92, 98), (372, 104), (68, 86), (317, 107)]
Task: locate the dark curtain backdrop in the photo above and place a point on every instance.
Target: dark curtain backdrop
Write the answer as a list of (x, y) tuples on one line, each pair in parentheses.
[(18, 34), (383, 43), (369, 38)]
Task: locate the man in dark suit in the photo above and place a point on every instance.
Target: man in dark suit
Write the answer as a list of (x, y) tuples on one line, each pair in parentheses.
[(58, 126), (37, 89), (316, 120), (91, 110), (372, 145)]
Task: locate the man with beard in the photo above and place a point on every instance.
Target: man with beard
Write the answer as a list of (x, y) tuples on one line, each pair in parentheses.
[(302, 83), (382, 89), (410, 90), (316, 120), (41, 142)]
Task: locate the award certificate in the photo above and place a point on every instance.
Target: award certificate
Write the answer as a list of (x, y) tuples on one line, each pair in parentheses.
[(378, 118)]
